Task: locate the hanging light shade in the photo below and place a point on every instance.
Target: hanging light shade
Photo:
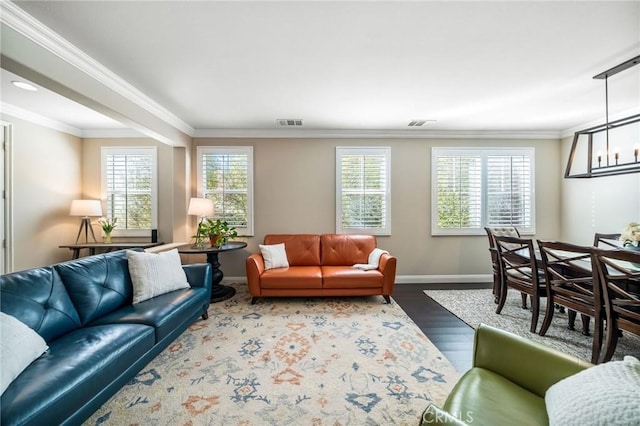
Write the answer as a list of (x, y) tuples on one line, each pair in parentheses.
[(608, 149)]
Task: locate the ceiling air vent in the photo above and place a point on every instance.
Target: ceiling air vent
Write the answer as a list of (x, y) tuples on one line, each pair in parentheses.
[(288, 122)]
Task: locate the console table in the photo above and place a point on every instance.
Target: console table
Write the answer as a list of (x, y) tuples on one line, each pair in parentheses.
[(106, 247)]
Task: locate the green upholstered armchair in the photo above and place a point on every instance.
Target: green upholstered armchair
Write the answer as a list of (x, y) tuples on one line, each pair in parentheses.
[(506, 384)]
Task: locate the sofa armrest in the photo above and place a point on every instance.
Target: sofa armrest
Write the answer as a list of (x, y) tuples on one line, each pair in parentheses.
[(434, 415), (255, 268), (387, 265), (198, 274), (505, 354)]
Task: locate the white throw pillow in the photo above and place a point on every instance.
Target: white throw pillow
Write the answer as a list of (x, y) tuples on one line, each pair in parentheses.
[(153, 274), (20, 346), (605, 394), (274, 256)]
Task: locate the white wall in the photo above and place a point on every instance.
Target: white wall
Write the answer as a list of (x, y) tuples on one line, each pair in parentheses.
[(46, 177), (603, 204)]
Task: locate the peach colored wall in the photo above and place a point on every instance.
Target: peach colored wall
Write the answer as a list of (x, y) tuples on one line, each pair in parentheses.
[(46, 177), (294, 190)]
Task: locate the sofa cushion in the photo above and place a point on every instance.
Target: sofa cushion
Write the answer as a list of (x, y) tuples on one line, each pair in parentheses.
[(292, 277), (97, 284), (165, 313), (302, 249), (38, 298), (350, 277), (153, 274), (341, 250), (76, 367), (608, 393), (274, 256), (19, 347), (479, 398)]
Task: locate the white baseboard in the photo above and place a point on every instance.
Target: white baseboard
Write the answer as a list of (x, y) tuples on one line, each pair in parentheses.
[(412, 279), (443, 279)]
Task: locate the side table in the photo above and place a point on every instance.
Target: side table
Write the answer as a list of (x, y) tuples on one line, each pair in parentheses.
[(219, 292)]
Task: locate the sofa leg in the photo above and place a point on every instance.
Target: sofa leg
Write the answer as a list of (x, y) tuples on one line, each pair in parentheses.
[(205, 315), (387, 298), (254, 300)]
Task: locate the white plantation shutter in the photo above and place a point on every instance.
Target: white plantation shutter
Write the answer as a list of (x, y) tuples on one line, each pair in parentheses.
[(509, 191), (473, 188), (363, 195), (225, 175), (129, 180), (459, 186)]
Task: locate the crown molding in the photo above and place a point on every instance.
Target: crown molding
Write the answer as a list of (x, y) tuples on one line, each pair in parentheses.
[(32, 117), (14, 17), (112, 134), (372, 134)]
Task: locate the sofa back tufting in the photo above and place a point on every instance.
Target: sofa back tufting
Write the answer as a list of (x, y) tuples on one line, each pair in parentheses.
[(39, 299), (97, 284), (339, 249), (302, 249)]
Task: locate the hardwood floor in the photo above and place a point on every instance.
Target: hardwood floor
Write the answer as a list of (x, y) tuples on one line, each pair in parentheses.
[(451, 335)]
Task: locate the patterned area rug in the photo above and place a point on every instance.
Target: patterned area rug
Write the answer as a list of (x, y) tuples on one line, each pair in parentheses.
[(476, 306), (289, 361)]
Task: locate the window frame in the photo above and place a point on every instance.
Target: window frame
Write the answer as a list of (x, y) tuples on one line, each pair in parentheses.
[(341, 151), (483, 153), (105, 151), (247, 231)]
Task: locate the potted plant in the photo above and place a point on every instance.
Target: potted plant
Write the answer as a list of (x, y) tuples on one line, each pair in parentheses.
[(107, 224), (218, 231)]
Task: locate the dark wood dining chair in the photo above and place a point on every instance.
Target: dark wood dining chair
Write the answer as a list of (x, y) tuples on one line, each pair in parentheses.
[(519, 270), (607, 241), (510, 231), (569, 282), (618, 276)]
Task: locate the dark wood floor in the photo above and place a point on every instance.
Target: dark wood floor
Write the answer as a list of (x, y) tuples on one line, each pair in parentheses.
[(451, 335)]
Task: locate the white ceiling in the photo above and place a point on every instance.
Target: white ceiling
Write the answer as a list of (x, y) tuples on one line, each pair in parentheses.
[(356, 66)]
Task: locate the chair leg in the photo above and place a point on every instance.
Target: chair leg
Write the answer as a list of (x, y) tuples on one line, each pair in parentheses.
[(535, 312), (254, 300), (610, 342), (387, 298), (524, 300), (571, 314), (585, 324), (205, 315), (548, 317), (597, 340), (503, 299)]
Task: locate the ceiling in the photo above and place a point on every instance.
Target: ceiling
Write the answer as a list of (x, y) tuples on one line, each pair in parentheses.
[(364, 66)]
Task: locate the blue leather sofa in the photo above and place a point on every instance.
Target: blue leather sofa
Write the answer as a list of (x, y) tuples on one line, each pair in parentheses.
[(98, 341)]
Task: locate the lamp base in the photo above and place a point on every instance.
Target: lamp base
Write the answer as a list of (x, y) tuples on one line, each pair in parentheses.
[(86, 225)]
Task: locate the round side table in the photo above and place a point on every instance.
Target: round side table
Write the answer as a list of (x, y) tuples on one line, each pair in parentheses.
[(219, 292)]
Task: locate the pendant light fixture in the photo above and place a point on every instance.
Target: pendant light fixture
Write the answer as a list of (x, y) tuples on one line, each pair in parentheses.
[(608, 149)]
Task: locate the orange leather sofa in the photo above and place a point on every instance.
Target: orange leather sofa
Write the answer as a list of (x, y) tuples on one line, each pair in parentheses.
[(321, 265)]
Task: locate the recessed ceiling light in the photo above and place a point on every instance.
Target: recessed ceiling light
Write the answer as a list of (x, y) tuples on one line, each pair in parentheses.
[(25, 86)]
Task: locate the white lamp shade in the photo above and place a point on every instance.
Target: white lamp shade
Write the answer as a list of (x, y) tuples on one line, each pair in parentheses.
[(85, 208), (201, 207)]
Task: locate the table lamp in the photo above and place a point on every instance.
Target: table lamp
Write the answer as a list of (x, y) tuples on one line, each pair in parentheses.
[(200, 207), (85, 209)]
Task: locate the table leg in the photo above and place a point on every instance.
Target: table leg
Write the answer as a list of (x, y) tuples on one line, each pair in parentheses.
[(219, 292)]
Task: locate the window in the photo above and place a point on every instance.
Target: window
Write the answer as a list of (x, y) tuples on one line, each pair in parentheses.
[(225, 175), (363, 190), (129, 185), (472, 188)]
